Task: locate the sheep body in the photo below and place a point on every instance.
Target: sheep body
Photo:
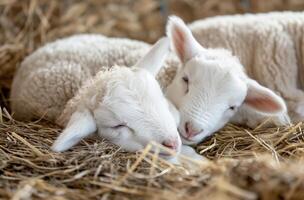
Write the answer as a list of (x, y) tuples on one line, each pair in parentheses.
[(92, 84), (53, 74), (270, 47), (211, 88)]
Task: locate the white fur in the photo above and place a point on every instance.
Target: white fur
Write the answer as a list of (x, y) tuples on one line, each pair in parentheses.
[(270, 47), (129, 97), (216, 82), (81, 125)]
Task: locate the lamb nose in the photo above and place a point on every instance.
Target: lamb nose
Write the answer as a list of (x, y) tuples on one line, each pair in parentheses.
[(170, 144), (190, 132)]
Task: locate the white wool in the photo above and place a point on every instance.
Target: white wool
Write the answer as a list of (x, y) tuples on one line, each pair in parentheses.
[(75, 78), (269, 46), (57, 70), (212, 87)]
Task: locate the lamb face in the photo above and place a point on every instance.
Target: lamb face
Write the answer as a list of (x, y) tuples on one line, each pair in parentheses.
[(211, 86), (134, 112), (125, 106), (207, 94)]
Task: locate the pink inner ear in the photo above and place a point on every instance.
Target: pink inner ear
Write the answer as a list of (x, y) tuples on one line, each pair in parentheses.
[(179, 42), (263, 103)]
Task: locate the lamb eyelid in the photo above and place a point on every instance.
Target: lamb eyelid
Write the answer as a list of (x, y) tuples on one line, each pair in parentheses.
[(233, 107), (124, 126), (120, 125), (185, 78)]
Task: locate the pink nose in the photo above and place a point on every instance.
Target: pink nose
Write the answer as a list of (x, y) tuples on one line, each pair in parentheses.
[(171, 144), (190, 131)]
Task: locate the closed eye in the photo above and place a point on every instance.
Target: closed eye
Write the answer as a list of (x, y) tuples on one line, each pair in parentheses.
[(124, 127), (233, 108), (119, 126), (186, 81)]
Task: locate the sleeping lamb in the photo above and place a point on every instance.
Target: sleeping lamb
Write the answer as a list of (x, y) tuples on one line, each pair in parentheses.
[(212, 87), (124, 104), (270, 47)]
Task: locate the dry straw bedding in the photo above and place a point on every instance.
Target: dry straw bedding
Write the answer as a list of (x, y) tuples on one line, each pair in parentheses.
[(244, 164), (265, 163)]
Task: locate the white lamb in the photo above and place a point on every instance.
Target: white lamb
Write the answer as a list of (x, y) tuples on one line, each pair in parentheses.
[(212, 88), (270, 47), (124, 105)]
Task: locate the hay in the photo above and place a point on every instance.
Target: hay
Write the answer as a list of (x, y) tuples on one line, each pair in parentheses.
[(265, 163), (244, 164)]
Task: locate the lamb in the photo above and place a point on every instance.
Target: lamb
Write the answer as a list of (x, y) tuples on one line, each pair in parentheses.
[(205, 103), (123, 104), (212, 87), (270, 46)]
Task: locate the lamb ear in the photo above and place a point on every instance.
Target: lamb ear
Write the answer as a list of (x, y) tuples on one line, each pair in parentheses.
[(80, 125), (182, 40), (155, 58), (263, 99)]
